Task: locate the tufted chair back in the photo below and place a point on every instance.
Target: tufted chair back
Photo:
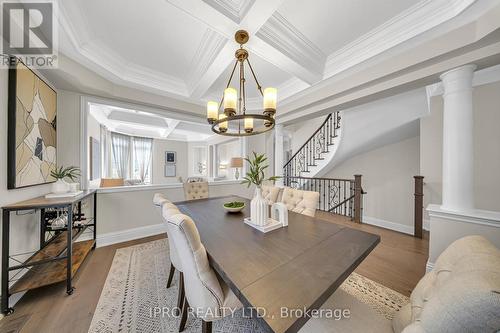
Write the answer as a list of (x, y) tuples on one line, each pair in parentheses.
[(204, 292), (167, 210), (460, 294), (196, 190), (298, 201), (270, 193), (159, 199)]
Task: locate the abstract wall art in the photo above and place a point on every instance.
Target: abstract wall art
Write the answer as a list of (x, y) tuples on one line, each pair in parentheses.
[(32, 131)]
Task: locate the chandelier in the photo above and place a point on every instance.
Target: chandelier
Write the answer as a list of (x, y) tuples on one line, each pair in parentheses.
[(234, 120)]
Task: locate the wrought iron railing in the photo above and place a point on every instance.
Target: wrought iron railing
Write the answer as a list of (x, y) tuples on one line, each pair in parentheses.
[(338, 196), (313, 149)]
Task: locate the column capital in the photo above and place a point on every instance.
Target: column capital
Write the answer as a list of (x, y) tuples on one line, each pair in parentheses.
[(459, 78)]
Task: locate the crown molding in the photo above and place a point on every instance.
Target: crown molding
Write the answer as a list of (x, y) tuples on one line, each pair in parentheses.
[(113, 66), (419, 18), (283, 36), (232, 9), (210, 47)]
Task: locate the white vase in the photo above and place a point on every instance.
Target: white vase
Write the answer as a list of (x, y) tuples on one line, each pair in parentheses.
[(60, 186), (258, 208)]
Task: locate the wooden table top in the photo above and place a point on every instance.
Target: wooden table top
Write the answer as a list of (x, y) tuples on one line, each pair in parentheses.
[(295, 267), (42, 202)]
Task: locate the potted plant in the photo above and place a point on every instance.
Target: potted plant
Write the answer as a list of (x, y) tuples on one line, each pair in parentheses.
[(256, 176), (61, 186)]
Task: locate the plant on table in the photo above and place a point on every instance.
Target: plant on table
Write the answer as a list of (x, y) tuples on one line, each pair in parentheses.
[(72, 173), (256, 174), (60, 186)]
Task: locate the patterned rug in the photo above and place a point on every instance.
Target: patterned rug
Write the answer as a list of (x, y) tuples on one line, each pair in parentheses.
[(135, 297)]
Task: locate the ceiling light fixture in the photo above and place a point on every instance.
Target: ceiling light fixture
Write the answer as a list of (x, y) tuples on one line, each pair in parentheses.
[(234, 120)]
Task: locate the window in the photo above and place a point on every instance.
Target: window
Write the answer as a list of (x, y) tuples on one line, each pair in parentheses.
[(200, 161), (131, 157), (120, 146), (226, 151), (141, 161)]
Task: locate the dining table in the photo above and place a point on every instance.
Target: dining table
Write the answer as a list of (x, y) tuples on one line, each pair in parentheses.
[(296, 267)]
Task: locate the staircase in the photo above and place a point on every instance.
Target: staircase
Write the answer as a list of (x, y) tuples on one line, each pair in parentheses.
[(338, 196), (309, 157), (345, 134)]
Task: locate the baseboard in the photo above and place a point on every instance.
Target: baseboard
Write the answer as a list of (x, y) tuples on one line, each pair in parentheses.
[(406, 229), (427, 224), (429, 266), (130, 234)]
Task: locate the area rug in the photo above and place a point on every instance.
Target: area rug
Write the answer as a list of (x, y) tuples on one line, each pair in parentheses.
[(135, 298)]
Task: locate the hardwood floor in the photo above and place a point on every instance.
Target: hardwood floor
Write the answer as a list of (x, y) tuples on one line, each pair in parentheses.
[(398, 262)]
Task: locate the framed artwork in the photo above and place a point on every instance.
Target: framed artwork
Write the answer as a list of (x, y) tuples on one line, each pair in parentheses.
[(95, 158), (32, 130), (169, 170), (170, 157)]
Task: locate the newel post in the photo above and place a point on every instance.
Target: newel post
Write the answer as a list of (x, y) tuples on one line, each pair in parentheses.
[(419, 206), (357, 198)]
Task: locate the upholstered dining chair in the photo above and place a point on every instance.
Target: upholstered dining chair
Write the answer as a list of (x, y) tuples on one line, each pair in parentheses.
[(168, 209), (270, 193), (211, 297), (196, 190), (299, 201)]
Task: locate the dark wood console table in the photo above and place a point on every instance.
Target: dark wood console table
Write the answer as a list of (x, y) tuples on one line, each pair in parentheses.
[(59, 257)]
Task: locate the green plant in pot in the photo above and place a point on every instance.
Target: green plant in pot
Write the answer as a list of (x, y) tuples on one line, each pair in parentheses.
[(256, 176), (71, 173)]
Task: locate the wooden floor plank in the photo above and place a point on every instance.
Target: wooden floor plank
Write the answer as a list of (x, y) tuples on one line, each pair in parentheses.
[(398, 262)]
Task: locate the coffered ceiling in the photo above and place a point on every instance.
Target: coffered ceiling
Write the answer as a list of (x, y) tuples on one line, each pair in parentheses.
[(185, 48)]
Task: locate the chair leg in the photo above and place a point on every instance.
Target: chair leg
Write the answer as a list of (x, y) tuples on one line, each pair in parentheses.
[(184, 317), (180, 295), (170, 275), (206, 326)]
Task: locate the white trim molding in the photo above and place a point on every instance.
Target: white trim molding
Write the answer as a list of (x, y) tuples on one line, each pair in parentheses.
[(234, 10), (414, 21), (111, 238), (283, 36), (406, 229), (476, 216)]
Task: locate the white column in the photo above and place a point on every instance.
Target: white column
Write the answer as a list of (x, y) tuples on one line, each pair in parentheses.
[(458, 151), (278, 153)]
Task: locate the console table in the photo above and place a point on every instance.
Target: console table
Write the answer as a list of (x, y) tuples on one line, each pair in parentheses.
[(59, 256)]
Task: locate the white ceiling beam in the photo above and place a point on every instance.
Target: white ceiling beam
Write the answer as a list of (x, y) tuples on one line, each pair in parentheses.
[(258, 13)]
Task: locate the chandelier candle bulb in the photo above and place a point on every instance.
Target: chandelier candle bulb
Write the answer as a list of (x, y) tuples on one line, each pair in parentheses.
[(230, 100), (212, 111), (249, 125), (270, 100), (222, 125)]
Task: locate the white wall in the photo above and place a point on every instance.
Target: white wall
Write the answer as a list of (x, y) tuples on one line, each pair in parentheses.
[(486, 102), (158, 163), (125, 210), (388, 180), (303, 131)]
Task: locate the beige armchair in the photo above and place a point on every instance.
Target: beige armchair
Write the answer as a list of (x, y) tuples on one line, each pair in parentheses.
[(270, 193), (196, 190), (298, 201), (168, 209), (211, 297), (460, 294)]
